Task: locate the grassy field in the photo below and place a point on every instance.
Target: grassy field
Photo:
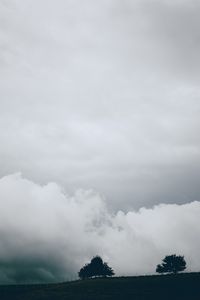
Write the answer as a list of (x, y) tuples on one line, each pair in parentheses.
[(182, 286)]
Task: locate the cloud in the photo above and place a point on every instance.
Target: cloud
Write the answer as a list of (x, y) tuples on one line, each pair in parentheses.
[(174, 26), (102, 95), (47, 235)]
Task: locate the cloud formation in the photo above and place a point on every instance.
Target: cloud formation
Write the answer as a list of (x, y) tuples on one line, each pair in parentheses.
[(102, 95), (47, 235)]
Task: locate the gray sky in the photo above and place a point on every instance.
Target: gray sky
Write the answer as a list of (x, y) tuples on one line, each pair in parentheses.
[(102, 95)]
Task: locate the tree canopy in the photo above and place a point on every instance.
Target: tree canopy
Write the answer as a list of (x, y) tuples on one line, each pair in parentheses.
[(95, 268), (172, 264)]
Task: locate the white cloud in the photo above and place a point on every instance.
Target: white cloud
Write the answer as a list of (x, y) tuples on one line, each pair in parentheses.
[(102, 95), (48, 235)]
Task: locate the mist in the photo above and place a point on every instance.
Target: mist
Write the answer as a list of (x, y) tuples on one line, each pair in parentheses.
[(47, 235)]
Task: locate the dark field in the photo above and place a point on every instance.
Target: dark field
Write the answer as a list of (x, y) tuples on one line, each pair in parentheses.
[(182, 286)]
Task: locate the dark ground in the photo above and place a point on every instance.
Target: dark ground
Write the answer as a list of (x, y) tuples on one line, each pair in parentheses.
[(162, 287)]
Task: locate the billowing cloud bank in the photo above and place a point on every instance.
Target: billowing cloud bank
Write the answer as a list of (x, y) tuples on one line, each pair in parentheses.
[(46, 235)]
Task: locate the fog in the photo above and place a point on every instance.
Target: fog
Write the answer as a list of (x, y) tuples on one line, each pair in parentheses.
[(47, 235)]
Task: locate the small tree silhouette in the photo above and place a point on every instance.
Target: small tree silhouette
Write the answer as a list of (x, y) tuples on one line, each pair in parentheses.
[(172, 264), (95, 268)]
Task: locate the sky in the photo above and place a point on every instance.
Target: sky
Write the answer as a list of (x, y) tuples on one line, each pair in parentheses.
[(99, 123)]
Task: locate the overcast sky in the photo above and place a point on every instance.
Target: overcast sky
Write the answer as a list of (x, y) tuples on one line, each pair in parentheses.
[(102, 95)]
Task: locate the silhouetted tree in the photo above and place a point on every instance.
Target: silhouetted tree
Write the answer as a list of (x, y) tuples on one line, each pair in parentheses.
[(172, 264), (95, 268), (84, 272)]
